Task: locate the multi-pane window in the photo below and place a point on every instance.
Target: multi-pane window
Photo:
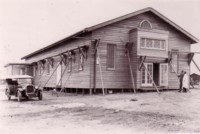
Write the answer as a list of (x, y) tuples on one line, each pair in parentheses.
[(174, 61), (81, 60), (153, 43), (34, 70), (145, 24), (164, 74), (111, 56), (146, 79), (48, 68), (142, 42), (22, 71), (150, 70), (69, 69), (149, 43), (39, 69)]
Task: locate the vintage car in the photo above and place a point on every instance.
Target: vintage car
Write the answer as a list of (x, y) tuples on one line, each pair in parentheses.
[(2, 84), (21, 86)]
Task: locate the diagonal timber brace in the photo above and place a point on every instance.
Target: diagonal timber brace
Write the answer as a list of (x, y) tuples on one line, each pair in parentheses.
[(128, 47), (151, 77), (190, 58), (142, 60)]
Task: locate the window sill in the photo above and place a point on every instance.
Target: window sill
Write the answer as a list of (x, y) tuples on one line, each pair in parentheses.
[(111, 69)]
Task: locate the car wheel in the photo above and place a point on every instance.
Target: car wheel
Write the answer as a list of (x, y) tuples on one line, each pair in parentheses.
[(27, 98), (19, 96), (8, 94), (40, 95)]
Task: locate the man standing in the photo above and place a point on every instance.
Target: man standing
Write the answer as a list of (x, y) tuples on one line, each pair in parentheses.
[(185, 83), (181, 80)]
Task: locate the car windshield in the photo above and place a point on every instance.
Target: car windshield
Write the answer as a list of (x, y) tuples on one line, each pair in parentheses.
[(24, 81), (2, 82)]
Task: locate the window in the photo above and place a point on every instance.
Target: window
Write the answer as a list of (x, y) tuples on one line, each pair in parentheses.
[(111, 56), (48, 68), (146, 79), (174, 62), (69, 65), (34, 70), (163, 74), (39, 69), (153, 44), (81, 60), (149, 43), (145, 24), (157, 44), (22, 71), (142, 42)]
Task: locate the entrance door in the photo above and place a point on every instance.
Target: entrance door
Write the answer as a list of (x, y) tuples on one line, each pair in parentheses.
[(146, 79), (59, 73), (164, 74)]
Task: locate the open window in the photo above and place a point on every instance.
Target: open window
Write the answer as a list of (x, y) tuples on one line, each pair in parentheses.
[(146, 80), (163, 74), (81, 61), (174, 61)]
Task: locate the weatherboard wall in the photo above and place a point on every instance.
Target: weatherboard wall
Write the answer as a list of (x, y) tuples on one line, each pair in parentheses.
[(77, 79), (118, 33)]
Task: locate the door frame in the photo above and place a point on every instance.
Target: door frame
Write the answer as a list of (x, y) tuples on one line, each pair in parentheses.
[(160, 75), (146, 75)]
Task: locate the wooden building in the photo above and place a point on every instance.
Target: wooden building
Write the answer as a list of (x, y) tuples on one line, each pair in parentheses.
[(141, 50), (195, 78), (19, 69)]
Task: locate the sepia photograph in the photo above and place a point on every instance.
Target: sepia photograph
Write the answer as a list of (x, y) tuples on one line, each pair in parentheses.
[(100, 66)]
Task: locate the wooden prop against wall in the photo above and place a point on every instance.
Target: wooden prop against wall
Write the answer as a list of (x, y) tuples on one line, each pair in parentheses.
[(190, 57), (141, 61), (63, 59), (101, 74), (51, 62), (128, 48)]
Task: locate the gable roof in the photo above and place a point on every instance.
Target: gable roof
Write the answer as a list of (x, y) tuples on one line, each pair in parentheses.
[(194, 74), (16, 64), (89, 29)]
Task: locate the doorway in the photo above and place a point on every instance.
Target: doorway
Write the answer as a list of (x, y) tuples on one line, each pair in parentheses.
[(159, 73)]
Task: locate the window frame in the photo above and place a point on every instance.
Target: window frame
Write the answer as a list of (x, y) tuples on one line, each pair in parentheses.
[(80, 62), (143, 21), (174, 51), (39, 69), (69, 69), (146, 76), (153, 43), (161, 74), (114, 60), (48, 67)]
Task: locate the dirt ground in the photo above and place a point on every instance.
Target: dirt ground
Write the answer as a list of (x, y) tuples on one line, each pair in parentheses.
[(168, 112)]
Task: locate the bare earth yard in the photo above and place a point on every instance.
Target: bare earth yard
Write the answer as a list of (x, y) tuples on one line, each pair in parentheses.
[(168, 112)]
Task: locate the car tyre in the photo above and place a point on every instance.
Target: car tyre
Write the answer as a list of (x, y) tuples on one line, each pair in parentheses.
[(40, 95), (19, 96), (8, 94)]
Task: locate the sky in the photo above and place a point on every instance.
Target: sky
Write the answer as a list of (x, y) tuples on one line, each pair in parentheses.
[(28, 25)]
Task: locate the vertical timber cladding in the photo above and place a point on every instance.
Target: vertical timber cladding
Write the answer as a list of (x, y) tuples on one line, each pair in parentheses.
[(78, 78)]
